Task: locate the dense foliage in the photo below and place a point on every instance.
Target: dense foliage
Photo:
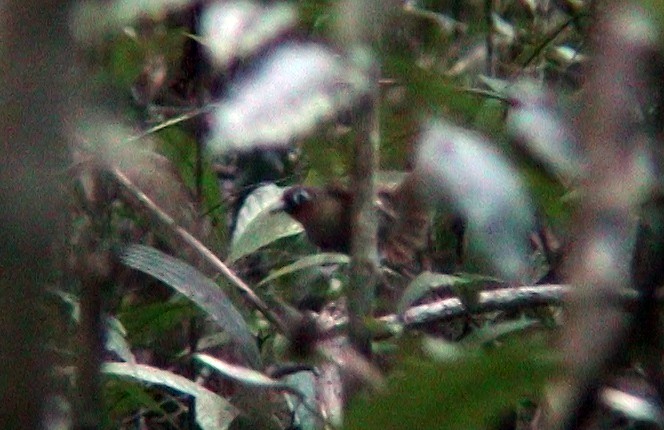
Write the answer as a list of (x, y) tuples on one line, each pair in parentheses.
[(531, 129)]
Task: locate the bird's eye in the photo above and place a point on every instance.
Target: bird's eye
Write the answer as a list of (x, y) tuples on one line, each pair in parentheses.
[(295, 198), (300, 196)]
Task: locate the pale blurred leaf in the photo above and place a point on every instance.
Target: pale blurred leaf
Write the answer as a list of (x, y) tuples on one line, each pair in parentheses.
[(235, 30), (260, 200), (499, 86), (565, 55), (541, 130), (295, 88), (116, 340), (464, 167), (633, 407), (503, 28)]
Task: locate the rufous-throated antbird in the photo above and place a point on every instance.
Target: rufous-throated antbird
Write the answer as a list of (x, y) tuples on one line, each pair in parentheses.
[(403, 212)]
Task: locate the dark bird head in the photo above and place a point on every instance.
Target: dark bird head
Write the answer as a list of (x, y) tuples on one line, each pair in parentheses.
[(323, 212)]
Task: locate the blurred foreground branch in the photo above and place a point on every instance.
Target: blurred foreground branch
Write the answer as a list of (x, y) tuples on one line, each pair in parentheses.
[(35, 91), (598, 264)]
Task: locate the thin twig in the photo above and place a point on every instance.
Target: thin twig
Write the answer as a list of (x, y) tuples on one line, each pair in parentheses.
[(548, 39), (168, 123)]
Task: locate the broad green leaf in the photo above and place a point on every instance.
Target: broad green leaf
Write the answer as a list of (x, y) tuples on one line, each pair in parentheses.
[(212, 411), (124, 397), (199, 289)]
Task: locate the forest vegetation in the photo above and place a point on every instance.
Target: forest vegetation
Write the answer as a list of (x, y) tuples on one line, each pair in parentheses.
[(306, 214)]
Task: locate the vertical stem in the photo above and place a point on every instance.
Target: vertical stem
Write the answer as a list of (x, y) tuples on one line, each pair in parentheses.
[(360, 30), (91, 344), (364, 246), (33, 101)]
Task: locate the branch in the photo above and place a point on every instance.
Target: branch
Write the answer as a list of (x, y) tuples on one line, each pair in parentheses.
[(488, 301)]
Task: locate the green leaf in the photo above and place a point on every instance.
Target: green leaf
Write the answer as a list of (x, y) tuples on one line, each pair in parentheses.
[(212, 411), (458, 395), (147, 322), (180, 147), (260, 201), (262, 231), (306, 263), (124, 397), (431, 91), (199, 289)]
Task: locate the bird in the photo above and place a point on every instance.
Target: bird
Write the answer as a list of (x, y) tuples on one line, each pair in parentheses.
[(324, 212), (404, 218)]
